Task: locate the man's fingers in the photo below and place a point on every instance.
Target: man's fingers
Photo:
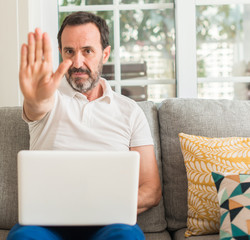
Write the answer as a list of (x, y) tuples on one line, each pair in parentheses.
[(31, 48), (47, 48), (24, 57), (61, 70), (39, 45)]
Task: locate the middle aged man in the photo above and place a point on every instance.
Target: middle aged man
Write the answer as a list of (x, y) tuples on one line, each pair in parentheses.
[(81, 112)]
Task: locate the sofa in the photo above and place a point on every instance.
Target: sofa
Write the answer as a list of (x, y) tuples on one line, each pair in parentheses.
[(168, 220)]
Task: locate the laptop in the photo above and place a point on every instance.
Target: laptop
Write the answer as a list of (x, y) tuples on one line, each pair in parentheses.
[(77, 188)]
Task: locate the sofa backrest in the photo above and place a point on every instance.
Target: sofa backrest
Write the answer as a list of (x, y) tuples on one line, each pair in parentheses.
[(14, 136), (209, 118), (153, 220)]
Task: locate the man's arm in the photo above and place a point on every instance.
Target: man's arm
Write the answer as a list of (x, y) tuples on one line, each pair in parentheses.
[(37, 80), (149, 180)]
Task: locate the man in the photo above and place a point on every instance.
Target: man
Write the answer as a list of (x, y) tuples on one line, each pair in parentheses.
[(83, 113)]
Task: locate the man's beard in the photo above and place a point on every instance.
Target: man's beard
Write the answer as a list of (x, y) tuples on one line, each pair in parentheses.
[(81, 85)]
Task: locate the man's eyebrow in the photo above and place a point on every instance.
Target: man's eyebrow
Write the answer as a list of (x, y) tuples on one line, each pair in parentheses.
[(82, 48), (86, 47), (67, 48)]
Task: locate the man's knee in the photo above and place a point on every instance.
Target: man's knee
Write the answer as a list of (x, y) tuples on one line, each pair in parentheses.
[(19, 232), (121, 232), (16, 233), (127, 232)]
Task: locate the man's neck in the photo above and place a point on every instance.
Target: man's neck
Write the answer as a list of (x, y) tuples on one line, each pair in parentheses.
[(95, 93)]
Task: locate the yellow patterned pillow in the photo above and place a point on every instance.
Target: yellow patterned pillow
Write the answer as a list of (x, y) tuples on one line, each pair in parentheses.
[(202, 156)]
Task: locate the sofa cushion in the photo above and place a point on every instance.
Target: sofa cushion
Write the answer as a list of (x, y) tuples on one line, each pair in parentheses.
[(179, 235), (153, 220), (211, 118), (14, 136), (158, 236), (4, 234), (234, 199), (202, 156)]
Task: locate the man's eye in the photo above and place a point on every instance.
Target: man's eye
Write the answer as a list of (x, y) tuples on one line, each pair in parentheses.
[(69, 51), (88, 51)]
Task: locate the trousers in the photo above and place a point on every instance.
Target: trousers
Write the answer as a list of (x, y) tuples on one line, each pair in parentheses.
[(109, 232)]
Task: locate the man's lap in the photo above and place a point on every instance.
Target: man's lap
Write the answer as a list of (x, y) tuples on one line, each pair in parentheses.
[(109, 232)]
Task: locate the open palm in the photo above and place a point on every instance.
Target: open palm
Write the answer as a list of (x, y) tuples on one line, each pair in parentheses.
[(37, 80)]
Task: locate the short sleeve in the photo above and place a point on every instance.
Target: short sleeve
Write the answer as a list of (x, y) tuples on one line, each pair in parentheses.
[(141, 134), (38, 129)]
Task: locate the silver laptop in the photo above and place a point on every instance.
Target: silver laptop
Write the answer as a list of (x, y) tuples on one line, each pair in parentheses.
[(77, 188)]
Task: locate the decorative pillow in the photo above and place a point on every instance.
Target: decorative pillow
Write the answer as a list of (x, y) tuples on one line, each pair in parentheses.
[(201, 157), (234, 199)]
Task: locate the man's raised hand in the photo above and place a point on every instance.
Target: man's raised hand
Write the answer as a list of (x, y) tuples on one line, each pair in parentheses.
[(37, 80)]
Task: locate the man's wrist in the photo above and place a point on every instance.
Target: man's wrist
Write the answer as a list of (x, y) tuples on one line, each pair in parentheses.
[(36, 111)]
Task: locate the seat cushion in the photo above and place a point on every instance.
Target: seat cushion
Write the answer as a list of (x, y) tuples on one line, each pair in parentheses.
[(153, 220), (158, 236), (179, 235), (4, 234)]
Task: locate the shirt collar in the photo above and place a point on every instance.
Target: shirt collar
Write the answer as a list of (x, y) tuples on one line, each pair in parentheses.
[(66, 89)]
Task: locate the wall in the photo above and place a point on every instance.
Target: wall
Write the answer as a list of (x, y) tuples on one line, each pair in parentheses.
[(9, 91), (17, 18)]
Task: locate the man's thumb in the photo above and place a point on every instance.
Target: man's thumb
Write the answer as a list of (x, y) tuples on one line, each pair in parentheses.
[(62, 69)]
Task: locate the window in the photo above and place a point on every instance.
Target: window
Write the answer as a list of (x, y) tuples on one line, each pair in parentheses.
[(223, 54), (142, 38), (161, 48)]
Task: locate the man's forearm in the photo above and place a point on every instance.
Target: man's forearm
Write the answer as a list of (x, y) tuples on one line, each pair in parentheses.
[(148, 197)]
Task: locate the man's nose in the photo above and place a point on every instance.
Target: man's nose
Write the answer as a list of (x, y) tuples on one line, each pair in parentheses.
[(78, 60)]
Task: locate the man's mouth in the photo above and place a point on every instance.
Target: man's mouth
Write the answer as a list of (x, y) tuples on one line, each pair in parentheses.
[(78, 72)]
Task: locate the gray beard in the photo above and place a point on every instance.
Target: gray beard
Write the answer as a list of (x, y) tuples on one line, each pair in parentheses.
[(85, 86), (88, 84)]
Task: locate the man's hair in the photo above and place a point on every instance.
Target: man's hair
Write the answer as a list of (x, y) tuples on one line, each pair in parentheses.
[(79, 18)]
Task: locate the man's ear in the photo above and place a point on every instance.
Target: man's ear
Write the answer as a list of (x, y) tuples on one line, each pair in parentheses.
[(106, 53), (60, 50)]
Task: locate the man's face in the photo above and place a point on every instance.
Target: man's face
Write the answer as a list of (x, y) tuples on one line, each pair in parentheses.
[(82, 45)]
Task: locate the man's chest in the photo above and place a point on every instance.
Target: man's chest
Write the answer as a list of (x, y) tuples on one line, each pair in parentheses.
[(93, 126)]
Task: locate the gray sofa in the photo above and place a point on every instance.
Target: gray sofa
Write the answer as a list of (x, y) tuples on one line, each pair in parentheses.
[(211, 118)]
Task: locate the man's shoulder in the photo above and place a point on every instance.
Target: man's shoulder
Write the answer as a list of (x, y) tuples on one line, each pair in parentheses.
[(125, 101), (126, 106)]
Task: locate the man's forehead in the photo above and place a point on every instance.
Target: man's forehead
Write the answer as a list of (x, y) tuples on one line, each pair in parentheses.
[(84, 33)]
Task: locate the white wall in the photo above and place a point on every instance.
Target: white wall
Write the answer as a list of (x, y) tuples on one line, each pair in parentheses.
[(9, 92), (17, 18)]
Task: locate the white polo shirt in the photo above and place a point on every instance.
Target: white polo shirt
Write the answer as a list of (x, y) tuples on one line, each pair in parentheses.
[(111, 122)]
